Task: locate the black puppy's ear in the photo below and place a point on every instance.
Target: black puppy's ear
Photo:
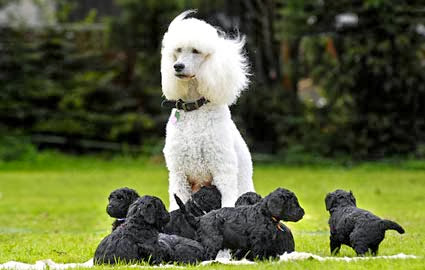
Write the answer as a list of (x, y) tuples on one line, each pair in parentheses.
[(330, 201), (148, 213), (352, 198), (133, 209), (162, 215), (275, 207), (275, 201)]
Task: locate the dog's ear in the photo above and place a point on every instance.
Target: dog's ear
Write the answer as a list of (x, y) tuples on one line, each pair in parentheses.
[(133, 209), (147, 211), (162, 215), (352, 198), (152, 211), (274, 206), (275, 201), (330, 201), (224, 74)]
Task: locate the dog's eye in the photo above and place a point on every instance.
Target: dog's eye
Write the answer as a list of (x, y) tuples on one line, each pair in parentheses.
[(195, 51), (179, 50)]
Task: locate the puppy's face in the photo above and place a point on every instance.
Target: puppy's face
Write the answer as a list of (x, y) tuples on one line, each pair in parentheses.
[(283, 205), (208, 198), (187, 61), (149, 209), (119, 202), (339, 198)]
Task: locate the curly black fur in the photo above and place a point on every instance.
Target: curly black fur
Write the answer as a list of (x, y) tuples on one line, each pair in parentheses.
[(203, 201), (119, 202), (248, 198), (284, 233), (355, 227), (139, 238), (252, 229), (180, 249)]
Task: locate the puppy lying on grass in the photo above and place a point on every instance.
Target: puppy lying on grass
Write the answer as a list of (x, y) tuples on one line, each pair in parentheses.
[(119, 202), (207, 198), (251, 229), (139, 238), (355, 227)]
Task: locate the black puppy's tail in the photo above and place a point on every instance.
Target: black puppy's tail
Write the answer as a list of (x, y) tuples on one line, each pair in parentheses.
[(180, 204), (191, 219), (391, 225)]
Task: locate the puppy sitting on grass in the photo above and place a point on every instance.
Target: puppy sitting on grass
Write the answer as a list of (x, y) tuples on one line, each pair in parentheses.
[(251, 229), (355, 227), (286, 243), (119, 202)]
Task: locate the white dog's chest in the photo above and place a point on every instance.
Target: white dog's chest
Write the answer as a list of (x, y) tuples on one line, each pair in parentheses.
[(187, 144), (191, 144)]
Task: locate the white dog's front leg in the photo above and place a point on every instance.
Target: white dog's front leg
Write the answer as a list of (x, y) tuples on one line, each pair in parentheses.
[(178, 185), (227, 185)]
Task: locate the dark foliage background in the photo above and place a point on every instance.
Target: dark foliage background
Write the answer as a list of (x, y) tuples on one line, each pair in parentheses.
[(320, 85)]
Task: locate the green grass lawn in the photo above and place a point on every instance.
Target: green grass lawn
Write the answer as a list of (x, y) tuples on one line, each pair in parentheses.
[(54, 207)]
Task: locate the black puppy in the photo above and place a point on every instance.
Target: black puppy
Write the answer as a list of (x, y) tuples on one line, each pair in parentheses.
[(119, 202), (203, 201), (248, 198), (283, 233), (252, 229), (355, 227), (139, 238)]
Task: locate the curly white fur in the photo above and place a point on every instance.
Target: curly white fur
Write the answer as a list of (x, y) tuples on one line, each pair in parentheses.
[(204, 145)]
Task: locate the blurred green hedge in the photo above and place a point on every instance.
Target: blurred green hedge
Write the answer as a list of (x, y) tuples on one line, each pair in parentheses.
[(95, 84), (86, 86), (371, 73)]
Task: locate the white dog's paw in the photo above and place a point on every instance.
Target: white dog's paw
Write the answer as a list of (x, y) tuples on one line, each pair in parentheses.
[(223, 255)]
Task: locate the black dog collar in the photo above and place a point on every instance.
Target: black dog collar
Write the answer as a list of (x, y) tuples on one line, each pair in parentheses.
[(186, 106)]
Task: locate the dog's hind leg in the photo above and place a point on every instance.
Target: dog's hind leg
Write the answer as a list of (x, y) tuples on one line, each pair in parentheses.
[(360, 249), (360, 240), (260, 246), (374, 250), (227, 185), (335, 245), (178, 185), (224, 175)]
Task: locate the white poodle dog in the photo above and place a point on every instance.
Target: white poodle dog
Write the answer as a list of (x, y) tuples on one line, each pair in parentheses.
[(203, 72)]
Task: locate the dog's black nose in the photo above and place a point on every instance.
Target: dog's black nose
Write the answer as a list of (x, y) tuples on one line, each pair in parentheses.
[(178, 67)]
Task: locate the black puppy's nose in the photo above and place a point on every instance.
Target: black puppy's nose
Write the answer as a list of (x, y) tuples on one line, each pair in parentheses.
[(178, 67)]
